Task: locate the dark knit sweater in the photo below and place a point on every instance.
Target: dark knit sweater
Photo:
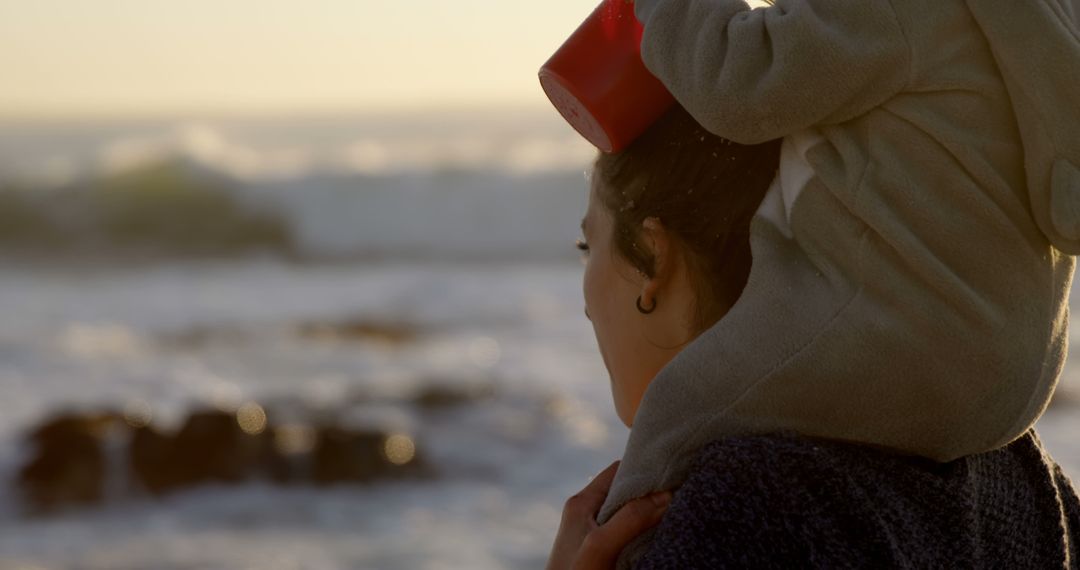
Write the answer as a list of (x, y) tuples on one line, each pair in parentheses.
[(783, 501)]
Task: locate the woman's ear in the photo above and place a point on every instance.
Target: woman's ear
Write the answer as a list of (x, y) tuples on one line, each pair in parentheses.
[(656, 238)]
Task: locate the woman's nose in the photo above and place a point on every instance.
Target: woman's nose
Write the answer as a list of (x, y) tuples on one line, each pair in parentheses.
[(587, 314)]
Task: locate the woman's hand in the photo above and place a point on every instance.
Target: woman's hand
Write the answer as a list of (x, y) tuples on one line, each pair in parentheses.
[(583, 544)]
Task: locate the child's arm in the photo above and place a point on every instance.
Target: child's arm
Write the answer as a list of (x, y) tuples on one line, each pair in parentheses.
[(755, 75)]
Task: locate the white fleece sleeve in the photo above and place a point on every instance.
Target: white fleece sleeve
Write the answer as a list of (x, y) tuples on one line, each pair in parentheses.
[(752, 75)]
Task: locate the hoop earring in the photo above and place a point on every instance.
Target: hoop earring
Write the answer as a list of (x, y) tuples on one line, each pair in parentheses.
[(642, 310)]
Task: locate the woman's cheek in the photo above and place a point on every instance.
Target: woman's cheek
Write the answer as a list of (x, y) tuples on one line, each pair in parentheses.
[(588, 289), (597, 307)]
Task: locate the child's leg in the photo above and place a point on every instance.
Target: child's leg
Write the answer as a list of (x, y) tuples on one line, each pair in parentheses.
[(848, 342)]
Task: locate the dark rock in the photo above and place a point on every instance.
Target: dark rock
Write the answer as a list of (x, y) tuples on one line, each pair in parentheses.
[(387, 333), (212, 447), (285, 469), (342, 455), (150, 460), (68, 464), (436, 396), (289, 460)]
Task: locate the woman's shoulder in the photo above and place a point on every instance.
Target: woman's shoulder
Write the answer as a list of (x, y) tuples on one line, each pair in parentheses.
[(784, 451), (765, 501), (785, 458), (787, 500)]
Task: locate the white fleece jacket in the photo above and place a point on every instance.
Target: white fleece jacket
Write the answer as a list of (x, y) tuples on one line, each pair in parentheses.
[(913, 294)]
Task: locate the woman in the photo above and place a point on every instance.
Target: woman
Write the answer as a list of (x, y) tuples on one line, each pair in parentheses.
[(668, 253)]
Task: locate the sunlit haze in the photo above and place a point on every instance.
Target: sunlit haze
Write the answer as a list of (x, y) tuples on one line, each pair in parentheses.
[(135, 57)]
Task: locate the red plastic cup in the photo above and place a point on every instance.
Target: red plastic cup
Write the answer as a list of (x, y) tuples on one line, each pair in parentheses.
[(598, 82)]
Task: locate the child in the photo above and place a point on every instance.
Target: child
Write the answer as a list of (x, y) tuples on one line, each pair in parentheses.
[(913, 261)]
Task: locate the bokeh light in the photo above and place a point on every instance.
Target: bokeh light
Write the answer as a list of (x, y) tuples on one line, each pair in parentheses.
[(252, 418), (399, 449), (138, 413)]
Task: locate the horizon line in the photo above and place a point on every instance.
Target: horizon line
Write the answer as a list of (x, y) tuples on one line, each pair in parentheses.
[(9, 116)]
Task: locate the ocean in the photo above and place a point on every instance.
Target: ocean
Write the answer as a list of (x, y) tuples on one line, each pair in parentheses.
[(173, 264)]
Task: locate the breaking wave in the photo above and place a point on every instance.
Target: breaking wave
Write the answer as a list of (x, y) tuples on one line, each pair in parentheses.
[(431, 188)]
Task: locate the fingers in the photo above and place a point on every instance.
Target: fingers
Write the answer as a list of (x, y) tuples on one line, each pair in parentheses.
[(634, 518), (585, 504), (602, 546), (602, 482)]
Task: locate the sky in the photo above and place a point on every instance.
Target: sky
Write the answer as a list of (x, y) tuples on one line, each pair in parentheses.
[(149, 57)]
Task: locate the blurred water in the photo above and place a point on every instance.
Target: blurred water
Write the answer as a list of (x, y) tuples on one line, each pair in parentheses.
[(460, 186), (108, 336), (460, 227)]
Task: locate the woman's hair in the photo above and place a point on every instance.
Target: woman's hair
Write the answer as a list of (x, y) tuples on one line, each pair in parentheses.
[(703, 188)]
